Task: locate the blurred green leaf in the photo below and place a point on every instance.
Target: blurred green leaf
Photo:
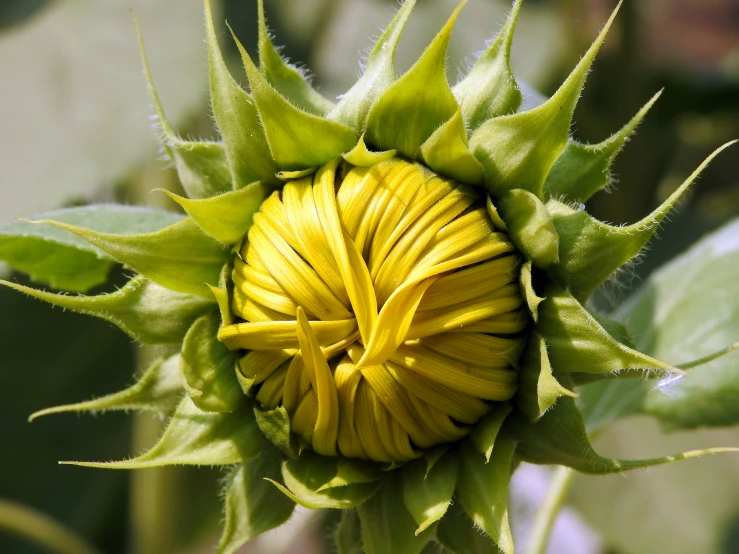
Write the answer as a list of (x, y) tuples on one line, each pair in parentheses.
[(689, 309)]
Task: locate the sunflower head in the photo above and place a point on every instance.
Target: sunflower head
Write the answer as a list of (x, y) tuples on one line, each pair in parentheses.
[(377, 303)]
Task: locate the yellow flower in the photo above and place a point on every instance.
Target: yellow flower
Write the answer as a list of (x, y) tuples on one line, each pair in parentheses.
[(378, 304)]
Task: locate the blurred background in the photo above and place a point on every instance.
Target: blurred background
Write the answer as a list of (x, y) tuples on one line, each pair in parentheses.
[(76, 129)]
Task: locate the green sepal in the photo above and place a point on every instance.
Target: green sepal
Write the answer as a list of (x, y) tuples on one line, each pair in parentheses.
[(530, 227), (379, 73), (158, 390), (297, 139), (252, 504), (519, 150), (361, 156), (226, 217), (285, 176), (304, 478), (145, 311), (560, 438), (483, 489), (287, 79), (446, 152), (275, 425), (577, 343), (237, 119), (201, 166), (584, 169), (457, 533), (350, 471), (417, 104), (65, 261), (427, 495), (486, 430), (194, 437), (207, 368), (527, 291), (387, 525), (538, 387), (590, 251), (347, 534), (489, 89), (179, 257)]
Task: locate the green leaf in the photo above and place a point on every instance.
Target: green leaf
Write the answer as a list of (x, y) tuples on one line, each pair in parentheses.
[(446, 152), (530, 227), (458, 534), (427, 495), (576, 343), (238, 121), (418, 103), (226, 217), (142, 309), (539, 388), (379, 73), (179, 257), (194, 437), (347, 535), (590, 251), (159, 390), (305, 477), (519, 150), (208, 368), (65, 261), (275, 425), (584, 169), (486, 430), (604, 402), (483, 490), (387, 526), (253, 505), (287, 79), (489, 89), (297, 140), (201, 166), (686, 310)]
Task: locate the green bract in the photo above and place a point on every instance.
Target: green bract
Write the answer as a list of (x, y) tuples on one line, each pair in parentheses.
[(266, 402)]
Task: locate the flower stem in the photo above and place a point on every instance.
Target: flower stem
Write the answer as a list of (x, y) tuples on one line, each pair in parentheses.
[(547, 512), (41, 529)]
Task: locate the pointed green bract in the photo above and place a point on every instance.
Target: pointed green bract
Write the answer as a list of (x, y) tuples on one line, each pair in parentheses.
[(201, 166), (237, 119), (427, 495), (297, 140), (486, 430), (489, 89), (208, 368), (379, 73), (387, 526), (584, 169), (590, 251), (253, 504), (158, 390), (64, 260), (305, 477), (518, 151), (285, 78), (539, 389), (145, 311), (347, 535), (179, 257), (483, 490), (577, 343), (350, 471), (458, 534), (417, 104), (530, 227), (361, 156), (446, 152), (528, 292), (275, 425), (226, 217), (194, 437)]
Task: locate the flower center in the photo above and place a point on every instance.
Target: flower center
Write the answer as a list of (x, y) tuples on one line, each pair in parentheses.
[(381, 309)]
